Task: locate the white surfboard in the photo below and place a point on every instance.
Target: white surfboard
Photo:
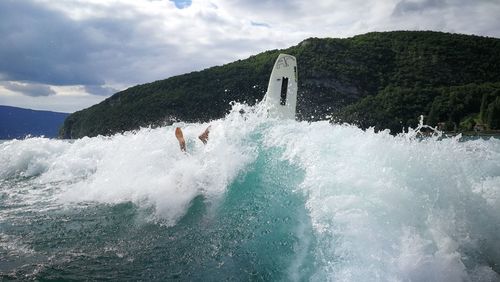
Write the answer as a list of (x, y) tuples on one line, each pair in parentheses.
[(281, 96)]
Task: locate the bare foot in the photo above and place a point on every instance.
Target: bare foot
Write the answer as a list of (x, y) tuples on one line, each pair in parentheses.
[(204, 136), (180, 138)]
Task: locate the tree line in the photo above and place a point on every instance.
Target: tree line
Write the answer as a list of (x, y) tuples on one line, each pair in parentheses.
[(380, 79)]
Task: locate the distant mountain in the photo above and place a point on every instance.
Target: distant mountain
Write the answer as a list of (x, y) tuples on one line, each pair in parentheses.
[(379, 79), (18, 122)]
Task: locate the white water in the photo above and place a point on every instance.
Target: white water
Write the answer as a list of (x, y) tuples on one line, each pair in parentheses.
[(145, 166), (383, 208), (396, 208)]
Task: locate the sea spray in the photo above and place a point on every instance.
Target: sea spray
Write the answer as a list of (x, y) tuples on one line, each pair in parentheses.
[(263, 200), (397, 208)]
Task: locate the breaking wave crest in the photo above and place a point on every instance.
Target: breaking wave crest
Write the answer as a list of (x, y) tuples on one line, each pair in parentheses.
[(378, 207)]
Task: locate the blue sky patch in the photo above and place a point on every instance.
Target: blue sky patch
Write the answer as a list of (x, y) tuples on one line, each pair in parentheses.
[(181, 4)]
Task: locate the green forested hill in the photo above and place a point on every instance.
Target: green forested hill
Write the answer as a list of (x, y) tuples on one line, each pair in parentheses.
[(383, 79)]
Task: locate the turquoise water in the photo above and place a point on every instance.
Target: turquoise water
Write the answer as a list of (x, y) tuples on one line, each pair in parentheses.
[(263, 200)]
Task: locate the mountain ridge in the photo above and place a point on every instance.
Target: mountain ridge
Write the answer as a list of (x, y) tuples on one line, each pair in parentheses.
[(16, 122), (337, 77)]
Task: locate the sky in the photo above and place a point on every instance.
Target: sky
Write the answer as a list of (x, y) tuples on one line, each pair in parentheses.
[(66, 55)]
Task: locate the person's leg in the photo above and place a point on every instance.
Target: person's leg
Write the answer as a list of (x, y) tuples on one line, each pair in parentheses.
[(180, 138), (204, 136)]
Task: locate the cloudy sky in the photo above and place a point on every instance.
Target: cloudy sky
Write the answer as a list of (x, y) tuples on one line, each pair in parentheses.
[(66, 55)]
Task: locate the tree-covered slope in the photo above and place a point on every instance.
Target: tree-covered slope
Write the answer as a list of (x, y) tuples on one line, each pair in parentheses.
[(377, 79)]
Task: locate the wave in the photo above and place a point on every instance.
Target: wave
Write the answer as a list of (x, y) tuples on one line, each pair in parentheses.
[(380, 207)]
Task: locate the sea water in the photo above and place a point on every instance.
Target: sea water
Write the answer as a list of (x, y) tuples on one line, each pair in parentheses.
[(263, 200)]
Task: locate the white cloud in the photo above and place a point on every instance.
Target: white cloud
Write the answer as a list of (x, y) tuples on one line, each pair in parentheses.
[(97, 45)]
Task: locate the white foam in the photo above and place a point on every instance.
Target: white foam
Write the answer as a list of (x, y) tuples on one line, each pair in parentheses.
[(382, 207), (145, 166), (397, 208)]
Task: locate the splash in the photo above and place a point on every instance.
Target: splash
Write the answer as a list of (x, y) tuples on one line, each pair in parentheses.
[(423, 131), (376, 206), (397, 208)]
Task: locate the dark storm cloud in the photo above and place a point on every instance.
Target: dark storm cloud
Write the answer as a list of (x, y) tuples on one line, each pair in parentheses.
[(45, 46), (33, 90), (42, 46)]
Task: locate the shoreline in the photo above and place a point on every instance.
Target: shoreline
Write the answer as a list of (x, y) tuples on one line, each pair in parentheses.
[(489, 133)]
